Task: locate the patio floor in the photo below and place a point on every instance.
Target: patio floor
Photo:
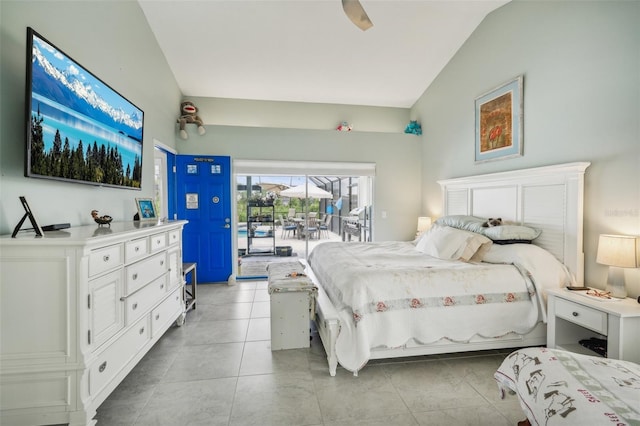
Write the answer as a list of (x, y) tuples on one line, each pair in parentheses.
[(254, 265)]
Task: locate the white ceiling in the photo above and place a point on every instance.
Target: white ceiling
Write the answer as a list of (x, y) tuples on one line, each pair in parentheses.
[(308, 51)]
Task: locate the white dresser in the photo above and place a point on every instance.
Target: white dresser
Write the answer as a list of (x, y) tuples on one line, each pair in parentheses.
[(79, 309)]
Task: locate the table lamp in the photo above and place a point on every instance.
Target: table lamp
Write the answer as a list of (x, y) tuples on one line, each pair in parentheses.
[(424, 223), (618, 251)]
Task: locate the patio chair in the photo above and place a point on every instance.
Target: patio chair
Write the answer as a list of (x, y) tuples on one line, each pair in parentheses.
[(287, 227), (310, 229), (292, 213), (324, 226)]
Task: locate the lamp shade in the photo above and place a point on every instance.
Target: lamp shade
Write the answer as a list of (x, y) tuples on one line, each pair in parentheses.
[(424, 223), (618, 250)]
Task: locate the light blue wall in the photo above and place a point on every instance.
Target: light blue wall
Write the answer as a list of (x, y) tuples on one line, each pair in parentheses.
[(581, 66), (397, 157), (292, 131), (297, 115), (112, 40)]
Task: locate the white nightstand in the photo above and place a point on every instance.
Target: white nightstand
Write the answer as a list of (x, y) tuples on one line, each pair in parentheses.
[(573, 317)]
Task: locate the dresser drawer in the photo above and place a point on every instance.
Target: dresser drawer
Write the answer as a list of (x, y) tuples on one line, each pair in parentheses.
[(136, 249), (143, 300), (582, 315), (110, 362), (166, 312), (142, 273), (104, 259), (158, 241), (174, 236)]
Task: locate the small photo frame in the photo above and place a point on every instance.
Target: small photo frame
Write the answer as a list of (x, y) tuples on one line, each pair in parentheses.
[(499, 115), (27, 215), (146, 209)]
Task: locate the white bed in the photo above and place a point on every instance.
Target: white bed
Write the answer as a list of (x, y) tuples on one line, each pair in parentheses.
[(547, 198)]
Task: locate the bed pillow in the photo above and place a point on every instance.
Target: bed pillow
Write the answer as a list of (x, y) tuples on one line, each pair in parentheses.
[(467, 223), (447, 243), (495, 233), (511, 232), (505, 242), (550, 271)]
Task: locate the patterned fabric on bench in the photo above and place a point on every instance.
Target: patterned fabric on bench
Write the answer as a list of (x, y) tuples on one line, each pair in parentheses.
[(557, 387)]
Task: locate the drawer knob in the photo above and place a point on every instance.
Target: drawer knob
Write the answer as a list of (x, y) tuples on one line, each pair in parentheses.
[(161, 286), (157, 317), (157, 241), (105, 258), (137, 248), (575, 314), (135, 276), (102, 367), (142, 330), (135, 306)]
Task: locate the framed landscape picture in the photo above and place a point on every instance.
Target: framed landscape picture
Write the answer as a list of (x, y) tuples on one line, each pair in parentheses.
[(499, 114)]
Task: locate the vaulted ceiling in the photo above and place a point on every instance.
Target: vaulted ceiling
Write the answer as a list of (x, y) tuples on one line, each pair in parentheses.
[(308, 50)]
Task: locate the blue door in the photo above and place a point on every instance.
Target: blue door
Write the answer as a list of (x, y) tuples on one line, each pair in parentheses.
[(203, 189), (171, 185)]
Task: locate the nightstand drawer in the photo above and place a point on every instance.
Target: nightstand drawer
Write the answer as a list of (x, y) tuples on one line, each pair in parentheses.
[(582, 315)]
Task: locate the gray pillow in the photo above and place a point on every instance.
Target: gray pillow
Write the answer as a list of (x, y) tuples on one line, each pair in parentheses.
[(496, 233)]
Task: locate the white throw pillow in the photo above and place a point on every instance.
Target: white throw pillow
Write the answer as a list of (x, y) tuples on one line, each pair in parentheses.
[(444, 242)]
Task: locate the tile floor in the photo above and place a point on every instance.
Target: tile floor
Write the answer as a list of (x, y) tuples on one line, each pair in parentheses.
[(218, 369)]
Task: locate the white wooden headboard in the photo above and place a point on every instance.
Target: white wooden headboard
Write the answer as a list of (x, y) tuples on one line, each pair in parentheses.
[(549, 198)]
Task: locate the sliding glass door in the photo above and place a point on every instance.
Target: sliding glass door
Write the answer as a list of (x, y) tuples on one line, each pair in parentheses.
[(282, 215)]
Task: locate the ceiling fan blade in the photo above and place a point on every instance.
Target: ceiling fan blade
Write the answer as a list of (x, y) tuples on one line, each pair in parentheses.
[(355, 12)]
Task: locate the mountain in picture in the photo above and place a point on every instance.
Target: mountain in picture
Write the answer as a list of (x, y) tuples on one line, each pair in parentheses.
[(71, 86)]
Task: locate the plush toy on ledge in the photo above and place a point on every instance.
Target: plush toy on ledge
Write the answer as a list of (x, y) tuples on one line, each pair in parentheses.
[(189, 114), (413, 127), (344, 127)]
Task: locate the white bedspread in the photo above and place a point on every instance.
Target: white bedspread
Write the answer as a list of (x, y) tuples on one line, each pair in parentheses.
[(556, 387), (388, 294)]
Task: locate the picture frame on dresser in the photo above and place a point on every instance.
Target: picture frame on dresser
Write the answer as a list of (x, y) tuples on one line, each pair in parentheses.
[(28, 214), (146, 209)]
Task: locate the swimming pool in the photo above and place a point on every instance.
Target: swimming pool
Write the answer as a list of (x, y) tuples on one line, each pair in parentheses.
[(243, 233)]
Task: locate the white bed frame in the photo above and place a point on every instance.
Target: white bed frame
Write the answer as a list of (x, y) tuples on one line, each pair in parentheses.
[(548, 198)]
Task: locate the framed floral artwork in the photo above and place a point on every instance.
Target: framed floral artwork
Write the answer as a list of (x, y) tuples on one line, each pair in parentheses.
[(499, 115)]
